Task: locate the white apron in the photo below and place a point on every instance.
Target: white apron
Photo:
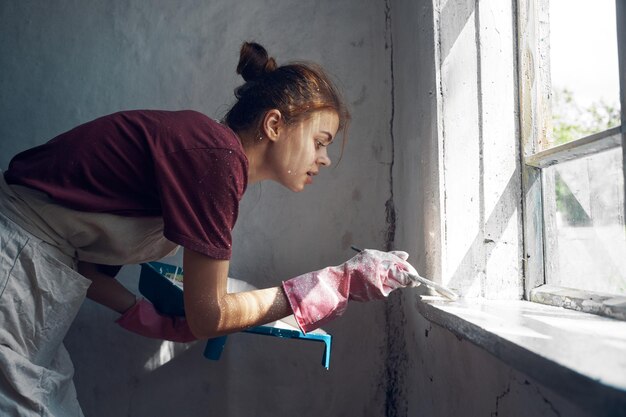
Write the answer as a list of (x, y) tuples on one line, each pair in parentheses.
[(41, 293)]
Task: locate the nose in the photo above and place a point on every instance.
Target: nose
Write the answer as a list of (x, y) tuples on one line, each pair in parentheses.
[(322, 158)]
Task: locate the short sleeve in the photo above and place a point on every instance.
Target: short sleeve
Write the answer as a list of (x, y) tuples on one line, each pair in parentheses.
[(200, 191)]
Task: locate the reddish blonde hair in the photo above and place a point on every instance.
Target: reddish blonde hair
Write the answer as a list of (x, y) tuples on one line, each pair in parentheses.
[(296, 90)]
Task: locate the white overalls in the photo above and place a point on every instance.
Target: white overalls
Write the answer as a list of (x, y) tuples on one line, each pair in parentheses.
[(41, 293)]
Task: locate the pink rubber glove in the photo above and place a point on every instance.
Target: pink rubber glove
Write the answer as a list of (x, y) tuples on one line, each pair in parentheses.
[(145, 320), (378, 273), (320, 296)]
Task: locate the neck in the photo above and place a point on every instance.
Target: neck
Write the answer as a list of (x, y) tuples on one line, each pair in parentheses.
[(255, 151)]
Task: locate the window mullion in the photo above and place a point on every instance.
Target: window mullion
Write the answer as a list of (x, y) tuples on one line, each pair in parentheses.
[(535, 129)]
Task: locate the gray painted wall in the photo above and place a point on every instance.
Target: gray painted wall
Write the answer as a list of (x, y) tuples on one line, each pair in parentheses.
[(66, 62)]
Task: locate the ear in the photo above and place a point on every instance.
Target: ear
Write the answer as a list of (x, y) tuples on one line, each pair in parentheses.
[(272, 124)]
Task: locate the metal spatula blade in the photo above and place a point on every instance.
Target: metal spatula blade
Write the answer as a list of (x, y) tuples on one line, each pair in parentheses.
[(446, 292)]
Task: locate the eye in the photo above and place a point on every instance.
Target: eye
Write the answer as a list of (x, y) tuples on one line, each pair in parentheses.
[(319, 144)]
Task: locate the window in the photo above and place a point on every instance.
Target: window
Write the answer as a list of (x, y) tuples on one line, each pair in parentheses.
[(495, 157), (572, 112)]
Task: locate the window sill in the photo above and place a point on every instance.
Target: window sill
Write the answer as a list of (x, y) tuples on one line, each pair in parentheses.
[(580, 356)]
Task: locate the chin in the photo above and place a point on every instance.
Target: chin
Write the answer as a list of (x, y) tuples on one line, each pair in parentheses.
[(296, 188)]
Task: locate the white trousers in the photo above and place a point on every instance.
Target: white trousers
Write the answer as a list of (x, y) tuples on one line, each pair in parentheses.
[(40, 295)]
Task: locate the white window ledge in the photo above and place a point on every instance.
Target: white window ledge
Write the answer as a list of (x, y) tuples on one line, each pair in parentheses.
[(580, 356)]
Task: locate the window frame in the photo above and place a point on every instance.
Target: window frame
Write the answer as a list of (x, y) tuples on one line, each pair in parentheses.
[(537, 184)]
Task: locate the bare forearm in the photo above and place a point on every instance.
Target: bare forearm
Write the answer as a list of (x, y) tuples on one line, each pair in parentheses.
[(211, 311), (106, 290), (243, 310)]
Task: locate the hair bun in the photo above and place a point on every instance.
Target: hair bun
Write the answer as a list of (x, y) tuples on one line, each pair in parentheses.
[(254, 61)]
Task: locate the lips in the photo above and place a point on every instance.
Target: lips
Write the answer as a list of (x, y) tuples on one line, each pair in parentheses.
[(310, 175)]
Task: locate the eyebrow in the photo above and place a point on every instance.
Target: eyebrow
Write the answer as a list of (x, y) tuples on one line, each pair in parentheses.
[(330, 137)]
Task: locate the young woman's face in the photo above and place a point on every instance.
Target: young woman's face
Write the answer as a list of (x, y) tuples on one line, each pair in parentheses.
[(301, 149)]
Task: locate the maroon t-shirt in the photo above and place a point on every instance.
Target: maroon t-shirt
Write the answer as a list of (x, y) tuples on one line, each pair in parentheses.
[(180, 165)]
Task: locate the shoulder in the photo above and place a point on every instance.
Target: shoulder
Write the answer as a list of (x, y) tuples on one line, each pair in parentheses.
[(175, 131), (193, 129), (193, 139)]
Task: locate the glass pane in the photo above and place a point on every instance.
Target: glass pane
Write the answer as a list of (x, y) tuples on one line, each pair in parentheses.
[(588, 250), (584, 68)]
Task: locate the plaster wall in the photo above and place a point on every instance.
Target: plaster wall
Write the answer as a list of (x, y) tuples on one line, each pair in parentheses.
[(67, 62), (414, 74)]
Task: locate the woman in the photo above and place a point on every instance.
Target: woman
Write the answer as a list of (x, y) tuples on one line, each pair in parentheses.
[(133, 186)]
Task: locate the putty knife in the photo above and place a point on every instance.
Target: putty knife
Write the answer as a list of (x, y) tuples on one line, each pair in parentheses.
[(446, 292)]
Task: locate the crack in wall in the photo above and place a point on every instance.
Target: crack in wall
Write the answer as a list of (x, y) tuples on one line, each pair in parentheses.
[(499, 397), (548, 402), (507, 391), (390, 208), (396, 359)]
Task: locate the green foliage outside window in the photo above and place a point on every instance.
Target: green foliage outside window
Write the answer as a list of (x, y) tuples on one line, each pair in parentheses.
[(571, 121)]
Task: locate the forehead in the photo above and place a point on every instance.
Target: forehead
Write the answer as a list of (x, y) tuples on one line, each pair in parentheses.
[(323, 120)]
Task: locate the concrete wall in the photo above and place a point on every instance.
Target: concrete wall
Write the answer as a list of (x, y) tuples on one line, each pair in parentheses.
[(401, 64), (67, 61)]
